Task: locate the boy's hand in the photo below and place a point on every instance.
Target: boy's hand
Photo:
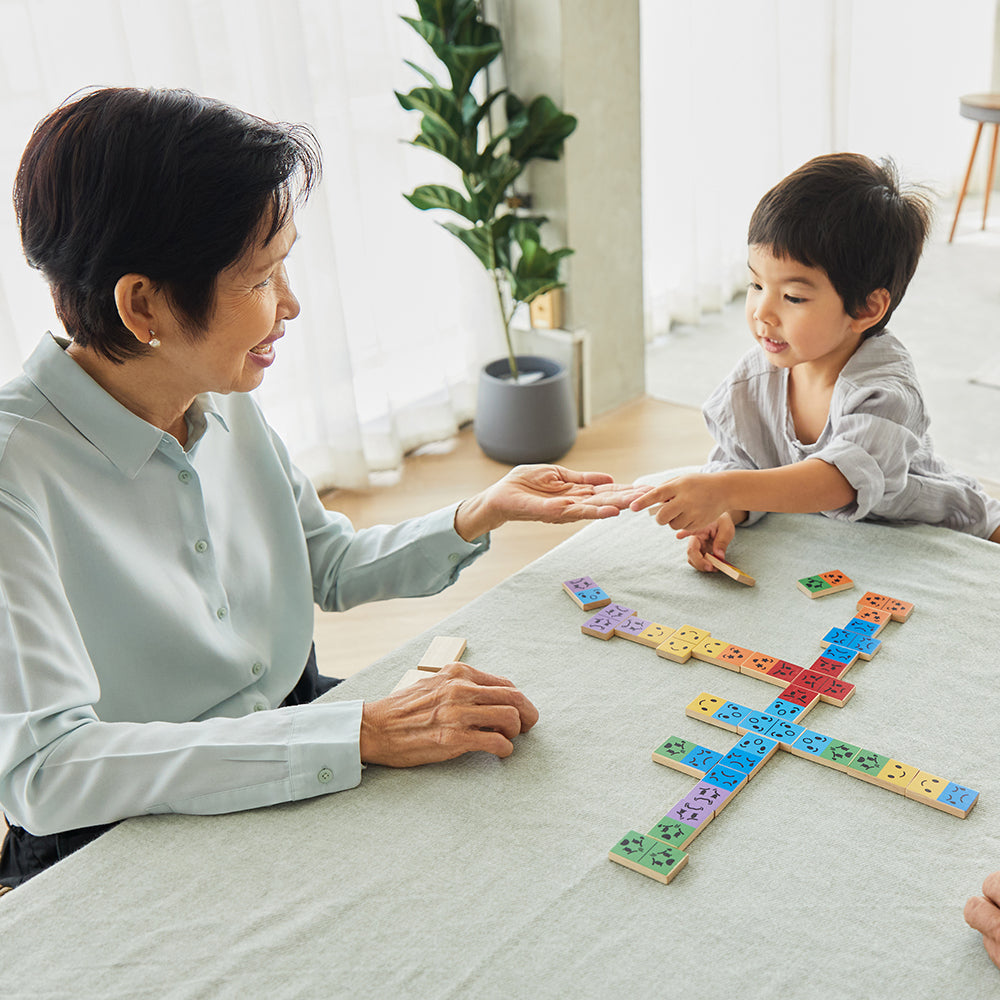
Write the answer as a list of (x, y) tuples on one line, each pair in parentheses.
[(691, 503), (715, 539)]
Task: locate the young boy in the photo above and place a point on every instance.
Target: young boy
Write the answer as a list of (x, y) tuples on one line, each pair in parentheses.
[(825, 414)]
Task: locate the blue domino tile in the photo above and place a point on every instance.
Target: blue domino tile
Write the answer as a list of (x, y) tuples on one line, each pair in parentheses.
[(730, 714), (702, 759), (786, 711), (725, 778), (758, 722), (760, 746), (864, 644), (840, 654), (862, 626), (958, 796), (785, 732), (741, 761), (811, 743)]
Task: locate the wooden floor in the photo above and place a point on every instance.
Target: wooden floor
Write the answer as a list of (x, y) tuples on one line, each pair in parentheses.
[(642, 437)]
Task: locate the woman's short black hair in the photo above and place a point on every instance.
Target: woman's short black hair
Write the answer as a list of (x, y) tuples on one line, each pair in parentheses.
[(156, 182), (851, 217)]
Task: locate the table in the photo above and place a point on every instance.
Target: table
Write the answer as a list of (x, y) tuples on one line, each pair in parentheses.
[(482, 877)]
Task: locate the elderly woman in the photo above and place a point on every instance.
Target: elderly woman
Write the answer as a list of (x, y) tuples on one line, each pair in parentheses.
[(160, 552)]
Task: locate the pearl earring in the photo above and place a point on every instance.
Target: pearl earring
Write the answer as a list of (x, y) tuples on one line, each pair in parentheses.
[(154, 341)]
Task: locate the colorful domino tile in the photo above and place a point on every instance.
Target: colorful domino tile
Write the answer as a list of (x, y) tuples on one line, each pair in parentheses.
[(686, 757), (757, 665), (631, 627), (603, 624), (709, 650), (898, 610), (675, 649), (648, 856), (941, 794), (865, 646), (587, 594), (674, 832), (734, 656), (653, 635), (824, 584)]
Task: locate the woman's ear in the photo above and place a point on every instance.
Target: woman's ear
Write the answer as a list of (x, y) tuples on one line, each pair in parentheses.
[(876, 306), (136, 298)]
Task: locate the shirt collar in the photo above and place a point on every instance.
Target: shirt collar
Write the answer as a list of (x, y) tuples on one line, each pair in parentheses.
[(125, 439)]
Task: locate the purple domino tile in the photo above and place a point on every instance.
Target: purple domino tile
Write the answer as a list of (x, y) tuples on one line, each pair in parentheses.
[(580, 583), (699, 805), (599, 625), (631, 626), (617, 611)]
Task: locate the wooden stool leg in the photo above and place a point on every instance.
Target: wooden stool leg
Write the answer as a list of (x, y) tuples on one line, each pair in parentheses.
[(965, 183), (989, 176)]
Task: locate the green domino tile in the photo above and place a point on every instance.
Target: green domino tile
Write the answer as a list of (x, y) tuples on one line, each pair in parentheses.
[(673, 832), (674, 748), (838, 755), (648, 856), (813, 584), (866, 765)]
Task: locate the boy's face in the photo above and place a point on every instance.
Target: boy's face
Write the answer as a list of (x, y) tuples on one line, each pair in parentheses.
[(797, 316)]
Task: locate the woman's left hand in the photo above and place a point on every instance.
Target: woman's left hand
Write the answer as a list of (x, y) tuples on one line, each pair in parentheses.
[(549, 493)]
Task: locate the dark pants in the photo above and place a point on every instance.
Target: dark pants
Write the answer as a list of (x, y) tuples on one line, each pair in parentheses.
[(24, 855)]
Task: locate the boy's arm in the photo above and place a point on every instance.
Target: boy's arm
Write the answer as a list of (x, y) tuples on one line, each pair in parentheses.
[(693, 502)]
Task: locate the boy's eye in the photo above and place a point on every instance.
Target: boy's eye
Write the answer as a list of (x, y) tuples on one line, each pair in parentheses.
[(794, 300)]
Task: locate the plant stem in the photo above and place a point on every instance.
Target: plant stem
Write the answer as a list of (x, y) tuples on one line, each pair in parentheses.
[(506, 324)]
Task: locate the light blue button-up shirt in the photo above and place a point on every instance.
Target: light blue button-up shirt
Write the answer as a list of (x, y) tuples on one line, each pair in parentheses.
[(155, 598)]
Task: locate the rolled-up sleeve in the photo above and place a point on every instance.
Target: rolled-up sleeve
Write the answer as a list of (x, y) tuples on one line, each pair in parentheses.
[(878, 432)]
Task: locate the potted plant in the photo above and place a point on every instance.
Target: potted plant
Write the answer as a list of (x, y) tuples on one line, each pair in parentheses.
[(456, 125)]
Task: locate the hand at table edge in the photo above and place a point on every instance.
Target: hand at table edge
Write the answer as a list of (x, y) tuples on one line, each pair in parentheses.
[(982, 913), (455, 711)]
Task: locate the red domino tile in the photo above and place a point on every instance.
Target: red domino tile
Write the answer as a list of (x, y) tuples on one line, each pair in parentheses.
[(837, 693), (814, 681), (784, 671), (872, 600), (799, 695), (830, 667)]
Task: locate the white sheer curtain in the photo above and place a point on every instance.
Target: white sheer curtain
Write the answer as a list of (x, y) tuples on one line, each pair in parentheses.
[(737, 93), (396, 316)]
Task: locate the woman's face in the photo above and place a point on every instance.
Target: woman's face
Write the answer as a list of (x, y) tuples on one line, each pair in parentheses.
[(252, 301)]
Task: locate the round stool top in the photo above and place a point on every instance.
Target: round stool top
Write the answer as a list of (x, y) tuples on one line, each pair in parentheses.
[(980, 107)]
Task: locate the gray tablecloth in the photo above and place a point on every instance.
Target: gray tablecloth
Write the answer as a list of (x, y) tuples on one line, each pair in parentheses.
[(490, 878)]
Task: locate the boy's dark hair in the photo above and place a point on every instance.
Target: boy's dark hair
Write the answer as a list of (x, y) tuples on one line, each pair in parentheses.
[(849, 216), (157, 182)]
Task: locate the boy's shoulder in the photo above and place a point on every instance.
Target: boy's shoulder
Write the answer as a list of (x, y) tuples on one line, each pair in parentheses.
[(880, 359)]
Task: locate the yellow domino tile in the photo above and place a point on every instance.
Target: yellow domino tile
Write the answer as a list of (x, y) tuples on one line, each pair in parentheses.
[(925, 787), (654, 635), (704, 706), (896, 776), (691, 634), (709, 650), (675, 649)]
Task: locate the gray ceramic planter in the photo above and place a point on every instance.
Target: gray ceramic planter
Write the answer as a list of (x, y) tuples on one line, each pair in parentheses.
[(524, 423)]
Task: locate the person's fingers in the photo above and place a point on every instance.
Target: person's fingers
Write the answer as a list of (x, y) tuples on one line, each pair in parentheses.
[(983, 916), (991, 887)]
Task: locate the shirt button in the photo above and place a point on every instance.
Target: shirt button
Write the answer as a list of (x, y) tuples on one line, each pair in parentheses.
[(454, 557), (260, 707), (221, 613), (325, 776), (184, 476), (201, 545), (257, 668)]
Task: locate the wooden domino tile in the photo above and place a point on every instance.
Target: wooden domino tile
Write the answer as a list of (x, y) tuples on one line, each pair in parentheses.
[(832, 668), (674, 832), (631, 627), (734, 657), (688, 633), (896, 776), (876, 616), (411, 677), (899, 610), (939, 793), (686, 757), (586, 593), (654, 635), (603, 624), (444, 649), (757, 665), (730, 570), (872, 600), (648, 856), (783, 673), (824, 584), (704, 706), (675, 649), (730, 715), (709, 650)]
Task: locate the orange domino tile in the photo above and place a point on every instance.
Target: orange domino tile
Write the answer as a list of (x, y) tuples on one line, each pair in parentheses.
[(872, 600), (734, 657), (900, 610), (757, 665)]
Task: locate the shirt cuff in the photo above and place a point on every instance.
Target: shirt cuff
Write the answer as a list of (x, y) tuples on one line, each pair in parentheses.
[(325, 750)]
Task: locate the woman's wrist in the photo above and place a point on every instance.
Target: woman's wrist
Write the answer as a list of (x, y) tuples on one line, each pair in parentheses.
[(473, 518)]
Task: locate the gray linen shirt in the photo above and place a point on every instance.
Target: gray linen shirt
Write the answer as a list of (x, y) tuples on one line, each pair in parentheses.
[(876, 436)]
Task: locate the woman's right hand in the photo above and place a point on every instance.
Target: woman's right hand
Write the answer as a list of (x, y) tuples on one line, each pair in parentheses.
[(457, 710)]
